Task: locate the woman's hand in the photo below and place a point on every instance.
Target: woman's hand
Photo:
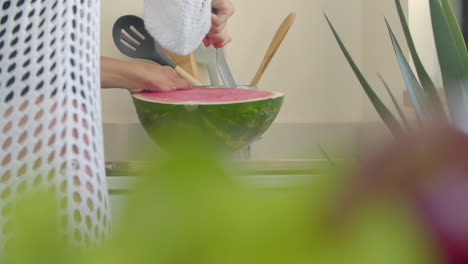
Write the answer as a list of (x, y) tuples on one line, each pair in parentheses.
[(138, 76), (218, 36)]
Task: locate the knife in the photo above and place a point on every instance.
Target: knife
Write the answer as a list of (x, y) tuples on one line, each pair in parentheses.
[(223, 70)]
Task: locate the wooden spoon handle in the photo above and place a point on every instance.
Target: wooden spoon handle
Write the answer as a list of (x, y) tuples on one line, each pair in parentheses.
[(182, 73), (274, 45)]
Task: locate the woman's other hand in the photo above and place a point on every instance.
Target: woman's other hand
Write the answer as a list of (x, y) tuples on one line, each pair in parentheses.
[(137, 76), (218, 36)]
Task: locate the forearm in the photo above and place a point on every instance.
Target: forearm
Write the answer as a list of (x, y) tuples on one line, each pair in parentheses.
[(136, 76), (114, 73)]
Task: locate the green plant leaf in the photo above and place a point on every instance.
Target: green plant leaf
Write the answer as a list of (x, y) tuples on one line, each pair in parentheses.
[(456, 32), (414, 88), (395, 102), (384, 113), (451, 63), (424, 78)]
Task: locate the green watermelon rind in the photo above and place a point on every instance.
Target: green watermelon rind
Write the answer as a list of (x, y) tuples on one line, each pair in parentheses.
[(229, 126)]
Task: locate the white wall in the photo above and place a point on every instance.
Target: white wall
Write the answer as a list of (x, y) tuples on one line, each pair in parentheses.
[(116, 104), (309, 67), (379, 56)]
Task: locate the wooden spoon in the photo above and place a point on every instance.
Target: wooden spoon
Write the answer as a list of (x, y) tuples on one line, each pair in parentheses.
[(274, 45)]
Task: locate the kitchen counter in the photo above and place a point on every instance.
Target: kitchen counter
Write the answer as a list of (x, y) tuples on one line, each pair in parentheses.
[(282, 141), (285, 153), (277, 174), (286, 156)]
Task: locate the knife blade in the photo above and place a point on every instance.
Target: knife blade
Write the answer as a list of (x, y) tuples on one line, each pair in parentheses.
[(223, 70)]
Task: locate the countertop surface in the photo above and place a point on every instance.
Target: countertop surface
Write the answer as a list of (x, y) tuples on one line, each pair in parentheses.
[(282, 141), (271, 174), (284, 155)]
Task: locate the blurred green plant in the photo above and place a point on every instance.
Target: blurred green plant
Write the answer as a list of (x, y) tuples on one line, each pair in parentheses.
[(453, 59), (189, 208)]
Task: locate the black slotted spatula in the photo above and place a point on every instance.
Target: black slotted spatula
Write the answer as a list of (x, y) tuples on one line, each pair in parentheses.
[(132, 39)]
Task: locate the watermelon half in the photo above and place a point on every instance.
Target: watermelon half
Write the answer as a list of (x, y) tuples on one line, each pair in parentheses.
[(228, 119)]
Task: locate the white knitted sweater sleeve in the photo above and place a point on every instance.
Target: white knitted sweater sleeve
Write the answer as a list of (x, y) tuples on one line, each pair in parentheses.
[(178, 25)]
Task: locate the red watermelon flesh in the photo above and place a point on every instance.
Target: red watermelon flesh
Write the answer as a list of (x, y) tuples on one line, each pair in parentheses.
[(207, 96)]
